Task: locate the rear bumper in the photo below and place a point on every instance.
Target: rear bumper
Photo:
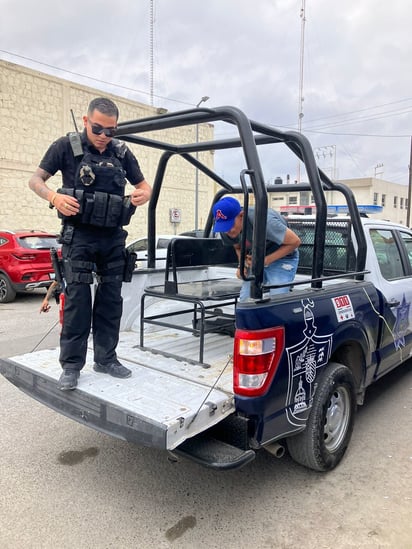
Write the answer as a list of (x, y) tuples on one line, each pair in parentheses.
[(30, 286), (34, 285), (213, 453)]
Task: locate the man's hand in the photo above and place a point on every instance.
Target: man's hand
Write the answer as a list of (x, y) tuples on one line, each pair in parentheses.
[(247, 266), (141, 194), (67, 205)]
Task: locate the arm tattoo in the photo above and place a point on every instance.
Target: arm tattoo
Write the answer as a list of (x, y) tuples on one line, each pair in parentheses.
[(38, 183), (41, 190)]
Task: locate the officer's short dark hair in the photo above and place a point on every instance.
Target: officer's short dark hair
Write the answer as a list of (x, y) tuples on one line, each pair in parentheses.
[(103, 105)]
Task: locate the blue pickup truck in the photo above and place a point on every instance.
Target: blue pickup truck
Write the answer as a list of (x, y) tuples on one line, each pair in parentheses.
[(215, 380)]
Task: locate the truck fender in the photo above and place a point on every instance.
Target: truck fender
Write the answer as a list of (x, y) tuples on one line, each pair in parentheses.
[(351, 347)]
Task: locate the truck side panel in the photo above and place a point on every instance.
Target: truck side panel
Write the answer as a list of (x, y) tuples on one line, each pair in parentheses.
[(325, 323)]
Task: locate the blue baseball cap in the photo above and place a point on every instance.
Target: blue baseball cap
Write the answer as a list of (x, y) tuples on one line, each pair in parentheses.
[(225, 212)]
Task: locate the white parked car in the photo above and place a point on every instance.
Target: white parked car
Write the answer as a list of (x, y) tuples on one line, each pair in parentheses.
[(140, 247)]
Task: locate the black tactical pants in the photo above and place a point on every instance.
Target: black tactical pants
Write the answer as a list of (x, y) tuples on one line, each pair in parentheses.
[(88, 249)]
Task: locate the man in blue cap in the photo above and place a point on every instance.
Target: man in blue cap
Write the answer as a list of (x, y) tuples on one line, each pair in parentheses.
[(281, 255)]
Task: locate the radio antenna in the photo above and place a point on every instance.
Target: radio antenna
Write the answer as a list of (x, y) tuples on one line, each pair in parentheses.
[(74, 121)]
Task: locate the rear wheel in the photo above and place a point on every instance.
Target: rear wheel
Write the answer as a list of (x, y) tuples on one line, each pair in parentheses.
[(7, 292), (323, 443)]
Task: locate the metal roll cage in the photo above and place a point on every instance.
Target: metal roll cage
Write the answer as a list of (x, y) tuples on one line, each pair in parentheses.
[(251, 135)]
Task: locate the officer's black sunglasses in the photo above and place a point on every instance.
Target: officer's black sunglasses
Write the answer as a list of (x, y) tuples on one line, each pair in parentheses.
[(97, 129)]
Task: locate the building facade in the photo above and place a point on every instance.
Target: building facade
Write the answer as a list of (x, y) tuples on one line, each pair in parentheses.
[(35, 109), (376, 197), (391, 197)]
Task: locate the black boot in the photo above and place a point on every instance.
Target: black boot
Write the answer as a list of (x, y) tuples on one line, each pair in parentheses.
[(114, 369), (68, 379)]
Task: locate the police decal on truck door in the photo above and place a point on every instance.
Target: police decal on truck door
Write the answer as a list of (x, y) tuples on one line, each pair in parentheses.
[(304, 359)]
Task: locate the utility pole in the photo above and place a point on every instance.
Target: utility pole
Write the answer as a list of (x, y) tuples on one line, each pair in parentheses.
[(151, 54), (408, 215), (202, 100), (324, 152), (301, 74), (377, 167)]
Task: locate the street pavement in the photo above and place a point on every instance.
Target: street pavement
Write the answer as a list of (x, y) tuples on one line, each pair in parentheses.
[(63, 485)]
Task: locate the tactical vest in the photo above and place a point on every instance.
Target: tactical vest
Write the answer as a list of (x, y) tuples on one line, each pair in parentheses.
[(99, 186)]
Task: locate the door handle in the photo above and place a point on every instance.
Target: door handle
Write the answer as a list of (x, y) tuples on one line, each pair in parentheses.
[(394, 304)]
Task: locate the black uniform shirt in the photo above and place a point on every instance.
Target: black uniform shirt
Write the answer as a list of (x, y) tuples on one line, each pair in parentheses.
[(59, 156)]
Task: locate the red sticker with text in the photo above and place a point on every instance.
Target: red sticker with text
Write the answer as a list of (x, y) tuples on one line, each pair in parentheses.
[(343, 308)]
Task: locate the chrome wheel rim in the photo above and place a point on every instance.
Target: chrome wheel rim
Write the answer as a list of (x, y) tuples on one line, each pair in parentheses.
[(337, 418)]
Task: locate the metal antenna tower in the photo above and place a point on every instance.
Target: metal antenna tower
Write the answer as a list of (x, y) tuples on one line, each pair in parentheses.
[(151, 39), (301, 72)]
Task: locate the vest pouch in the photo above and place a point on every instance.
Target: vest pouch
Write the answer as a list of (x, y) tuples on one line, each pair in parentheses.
[(88, 205), (114, 211), (127, 211), (98, 214), (79, 196)]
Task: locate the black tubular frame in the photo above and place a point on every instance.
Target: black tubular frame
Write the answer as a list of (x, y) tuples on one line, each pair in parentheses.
[(251, 135)]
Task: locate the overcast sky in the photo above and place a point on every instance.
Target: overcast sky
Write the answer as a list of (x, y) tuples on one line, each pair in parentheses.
[(357, 85)]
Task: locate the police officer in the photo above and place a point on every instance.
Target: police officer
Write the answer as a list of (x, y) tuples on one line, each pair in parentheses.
[(93, 210)]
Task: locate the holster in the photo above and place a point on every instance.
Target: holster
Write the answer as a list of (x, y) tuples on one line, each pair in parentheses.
[(127, 210), (129, 265)]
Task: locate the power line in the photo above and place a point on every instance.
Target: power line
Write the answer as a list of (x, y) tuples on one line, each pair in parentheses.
[(231, 131), (359, 110), (289, 127), (54, 67), (357, 134), (365, 118)]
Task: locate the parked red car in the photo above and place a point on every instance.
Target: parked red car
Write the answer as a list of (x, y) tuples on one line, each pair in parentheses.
[(25, 262)]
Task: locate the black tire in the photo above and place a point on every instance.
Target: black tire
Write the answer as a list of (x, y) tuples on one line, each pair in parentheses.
[(322, 444), (7, 292)]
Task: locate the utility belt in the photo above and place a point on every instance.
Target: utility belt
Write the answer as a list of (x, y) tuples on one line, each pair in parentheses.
[(116, 271), (69, 270), (99, 208)]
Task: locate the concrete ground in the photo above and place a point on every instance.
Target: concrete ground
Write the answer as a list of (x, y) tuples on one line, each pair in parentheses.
[(63, 485)]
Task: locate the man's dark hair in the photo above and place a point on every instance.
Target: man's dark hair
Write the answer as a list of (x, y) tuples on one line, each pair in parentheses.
[(103, 105)]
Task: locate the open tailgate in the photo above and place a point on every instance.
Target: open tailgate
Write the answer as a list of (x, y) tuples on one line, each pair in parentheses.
[(165, 402)]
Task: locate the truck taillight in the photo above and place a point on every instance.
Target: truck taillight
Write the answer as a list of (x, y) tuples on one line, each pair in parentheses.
[(256, 357)]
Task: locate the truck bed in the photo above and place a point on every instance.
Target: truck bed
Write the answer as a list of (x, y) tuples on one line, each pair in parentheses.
[(166, 401)]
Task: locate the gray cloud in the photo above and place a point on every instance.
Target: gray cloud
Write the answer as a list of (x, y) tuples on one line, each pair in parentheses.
[(244, 53)]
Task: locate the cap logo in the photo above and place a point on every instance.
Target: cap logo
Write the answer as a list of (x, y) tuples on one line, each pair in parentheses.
[(220, 215)]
